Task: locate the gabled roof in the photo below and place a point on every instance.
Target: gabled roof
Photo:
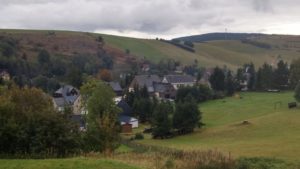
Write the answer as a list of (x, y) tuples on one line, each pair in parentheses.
[(67, 98), (115, 86), (180, 79), (146, 80), (127, 119), (162, 87), (126, 109), (60, 102)]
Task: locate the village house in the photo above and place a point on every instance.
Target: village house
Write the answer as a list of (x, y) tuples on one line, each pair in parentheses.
[(164, 91), (126, 117), (116, 87), (179, 80), (144, 80), (67, 96)]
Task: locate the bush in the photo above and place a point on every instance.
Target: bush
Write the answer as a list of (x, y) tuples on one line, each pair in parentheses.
[(30, 127), (139, 136)]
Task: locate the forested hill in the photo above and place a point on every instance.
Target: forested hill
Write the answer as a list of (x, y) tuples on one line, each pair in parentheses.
[(220, 36)]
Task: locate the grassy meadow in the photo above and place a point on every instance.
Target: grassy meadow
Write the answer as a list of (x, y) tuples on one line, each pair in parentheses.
[(72, 163), (271, 131), (231, 53)]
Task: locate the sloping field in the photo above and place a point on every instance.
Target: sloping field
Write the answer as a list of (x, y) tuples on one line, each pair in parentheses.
[(272, 129), (234, 53), (231, 53)]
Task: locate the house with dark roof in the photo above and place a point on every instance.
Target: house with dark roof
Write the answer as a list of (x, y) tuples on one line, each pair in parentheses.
[(125, 117), (179, 80), (116, 87), (67, 96), (164, 91), (144, 80)]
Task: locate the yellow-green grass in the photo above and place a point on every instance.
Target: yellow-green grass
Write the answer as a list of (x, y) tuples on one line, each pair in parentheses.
[(123, 149), (72, 163), (231, 53), (270, 133), (234, 53)]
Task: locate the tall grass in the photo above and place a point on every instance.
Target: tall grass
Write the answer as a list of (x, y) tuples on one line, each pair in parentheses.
[(155, 157)]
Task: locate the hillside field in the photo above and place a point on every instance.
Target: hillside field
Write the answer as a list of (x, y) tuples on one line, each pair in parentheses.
[(271, 132), (232, 53)]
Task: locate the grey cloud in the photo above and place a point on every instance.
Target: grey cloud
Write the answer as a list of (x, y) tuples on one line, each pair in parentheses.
[(263, 5), (167, 17)]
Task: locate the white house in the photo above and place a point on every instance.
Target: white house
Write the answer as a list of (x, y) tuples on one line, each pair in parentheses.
[(125, 117), (179, 80), (67, 96)]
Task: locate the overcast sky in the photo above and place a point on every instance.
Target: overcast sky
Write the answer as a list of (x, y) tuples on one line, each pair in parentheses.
[(153, 18)]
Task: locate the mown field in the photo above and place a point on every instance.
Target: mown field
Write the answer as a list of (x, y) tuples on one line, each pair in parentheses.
[(231, 53), (273, 129)]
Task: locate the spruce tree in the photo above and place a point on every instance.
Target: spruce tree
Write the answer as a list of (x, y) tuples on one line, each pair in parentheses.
[(161, 121)]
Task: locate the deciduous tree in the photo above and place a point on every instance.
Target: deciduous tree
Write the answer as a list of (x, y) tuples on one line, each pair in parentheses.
[(103, 128)]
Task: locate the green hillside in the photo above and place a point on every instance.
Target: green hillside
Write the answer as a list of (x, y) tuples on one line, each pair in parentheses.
[(232, 53), (271, 132)]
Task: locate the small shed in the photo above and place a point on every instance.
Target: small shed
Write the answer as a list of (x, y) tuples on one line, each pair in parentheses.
[(126, 128), (129, 120)]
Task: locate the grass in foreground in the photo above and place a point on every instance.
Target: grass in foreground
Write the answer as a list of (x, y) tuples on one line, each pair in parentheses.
[(72, 163), (152, 160)]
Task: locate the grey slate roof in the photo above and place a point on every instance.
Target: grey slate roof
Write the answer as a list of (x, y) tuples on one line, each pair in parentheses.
[(146, 80), (126, 119), (162, 87), (180, 79), (60, 102), (115, 86), (126, 109), (67, 98)]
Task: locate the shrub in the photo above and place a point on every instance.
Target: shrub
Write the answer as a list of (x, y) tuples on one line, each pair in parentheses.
[(139, 136)]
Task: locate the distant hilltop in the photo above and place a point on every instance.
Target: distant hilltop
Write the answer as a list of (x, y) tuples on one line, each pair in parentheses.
[(219, 36)]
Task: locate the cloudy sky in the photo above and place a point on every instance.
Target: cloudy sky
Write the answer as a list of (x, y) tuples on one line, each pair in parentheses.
[(153, 18)]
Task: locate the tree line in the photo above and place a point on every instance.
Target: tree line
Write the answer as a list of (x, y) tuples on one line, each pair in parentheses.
[(45, 70), (280, 77)]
